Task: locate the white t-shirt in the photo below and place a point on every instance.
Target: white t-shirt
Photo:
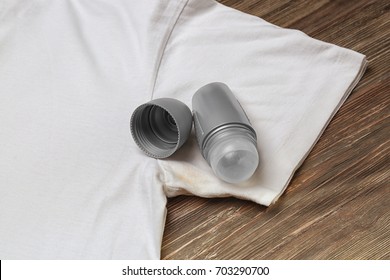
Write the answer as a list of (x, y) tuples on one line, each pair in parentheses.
[(73, 184)]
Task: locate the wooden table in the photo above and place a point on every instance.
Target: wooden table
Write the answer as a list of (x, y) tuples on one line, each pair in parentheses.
[(338, 203)]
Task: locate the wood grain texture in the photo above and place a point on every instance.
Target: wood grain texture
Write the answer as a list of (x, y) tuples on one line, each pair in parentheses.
[(338, 204)]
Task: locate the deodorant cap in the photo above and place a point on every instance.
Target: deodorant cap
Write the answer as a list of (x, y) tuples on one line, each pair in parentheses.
[(161, 126)]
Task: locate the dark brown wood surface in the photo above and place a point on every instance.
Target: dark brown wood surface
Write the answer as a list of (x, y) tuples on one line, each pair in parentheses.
[(338, 203)]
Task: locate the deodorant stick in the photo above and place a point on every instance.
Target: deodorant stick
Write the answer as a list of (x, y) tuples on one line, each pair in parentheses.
[(224, 134)]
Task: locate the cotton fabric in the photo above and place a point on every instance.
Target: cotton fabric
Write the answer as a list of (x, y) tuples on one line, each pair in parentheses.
[(73, 184)]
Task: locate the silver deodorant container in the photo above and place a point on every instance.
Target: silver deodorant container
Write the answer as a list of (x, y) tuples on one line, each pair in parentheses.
[(225, 136)]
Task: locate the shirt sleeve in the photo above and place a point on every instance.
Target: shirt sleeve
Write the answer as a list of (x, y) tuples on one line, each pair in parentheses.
[(289, 84)]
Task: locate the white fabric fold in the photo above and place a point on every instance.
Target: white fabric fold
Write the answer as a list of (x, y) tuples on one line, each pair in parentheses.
[(289, 84)]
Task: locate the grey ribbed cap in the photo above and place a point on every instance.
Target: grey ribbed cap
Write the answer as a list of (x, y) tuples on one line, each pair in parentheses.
[(161, 126)]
